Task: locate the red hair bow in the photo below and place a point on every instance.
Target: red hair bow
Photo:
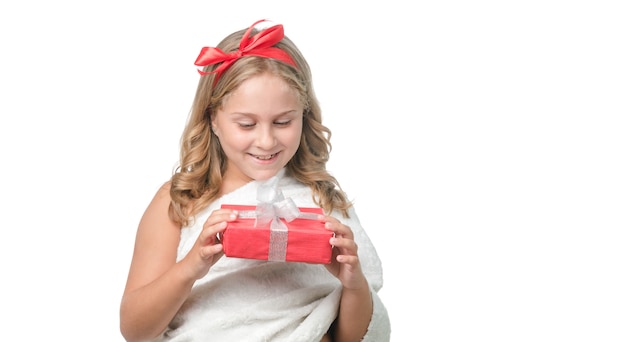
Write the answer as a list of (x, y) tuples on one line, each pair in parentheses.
[(262, 45)]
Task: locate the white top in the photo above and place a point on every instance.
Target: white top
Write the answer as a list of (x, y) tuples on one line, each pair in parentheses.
[(253, 300)]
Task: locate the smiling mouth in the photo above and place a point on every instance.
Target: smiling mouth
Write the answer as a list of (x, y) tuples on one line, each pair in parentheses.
[(266, 157)]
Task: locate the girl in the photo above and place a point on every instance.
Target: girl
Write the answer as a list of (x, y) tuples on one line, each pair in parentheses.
[(254, 117)]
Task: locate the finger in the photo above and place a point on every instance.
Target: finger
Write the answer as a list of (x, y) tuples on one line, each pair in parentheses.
[(215, 225), (352, 260), (210, 234), (346, 246), (339, 228), (220, 215), (210, 251)]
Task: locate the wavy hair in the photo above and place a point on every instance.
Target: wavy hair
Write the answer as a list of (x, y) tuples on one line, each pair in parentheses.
[(197, 180)]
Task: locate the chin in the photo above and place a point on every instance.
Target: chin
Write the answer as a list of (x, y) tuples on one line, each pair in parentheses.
[(264, 174)]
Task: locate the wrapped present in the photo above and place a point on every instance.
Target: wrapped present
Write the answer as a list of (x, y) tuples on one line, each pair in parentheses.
[(275, 229), (303, 239)]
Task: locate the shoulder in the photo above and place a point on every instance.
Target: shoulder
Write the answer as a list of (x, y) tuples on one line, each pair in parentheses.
[(163, 193), (159, 205), (156, 218), (165, 187)]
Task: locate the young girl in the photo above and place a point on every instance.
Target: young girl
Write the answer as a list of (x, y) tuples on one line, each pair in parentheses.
[(254, 117)]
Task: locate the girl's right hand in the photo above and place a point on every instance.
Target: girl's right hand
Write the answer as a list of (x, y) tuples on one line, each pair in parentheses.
[(207, 249)]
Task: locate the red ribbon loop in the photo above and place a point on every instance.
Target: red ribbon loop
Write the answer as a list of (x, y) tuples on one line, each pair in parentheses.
[(261, 45)]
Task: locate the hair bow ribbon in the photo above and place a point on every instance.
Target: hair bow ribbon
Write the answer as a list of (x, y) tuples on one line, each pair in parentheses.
[(261, 45)]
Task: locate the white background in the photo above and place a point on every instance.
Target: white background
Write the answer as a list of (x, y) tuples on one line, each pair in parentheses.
[(482, 141)]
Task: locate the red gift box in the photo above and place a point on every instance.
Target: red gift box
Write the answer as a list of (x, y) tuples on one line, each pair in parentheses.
[(307, 239)]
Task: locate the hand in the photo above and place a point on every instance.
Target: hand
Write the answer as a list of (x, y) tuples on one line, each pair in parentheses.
[(208, 248), (345, 264)]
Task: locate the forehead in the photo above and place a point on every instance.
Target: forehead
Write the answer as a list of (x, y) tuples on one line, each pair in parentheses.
[(264, 91)]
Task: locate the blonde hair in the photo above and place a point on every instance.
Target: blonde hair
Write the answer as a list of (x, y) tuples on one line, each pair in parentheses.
[(196, 182)]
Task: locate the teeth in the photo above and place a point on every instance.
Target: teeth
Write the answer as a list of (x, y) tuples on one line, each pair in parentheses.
[(265, 157)]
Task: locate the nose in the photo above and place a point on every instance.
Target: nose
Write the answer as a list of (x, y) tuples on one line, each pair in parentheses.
[(266, 138)]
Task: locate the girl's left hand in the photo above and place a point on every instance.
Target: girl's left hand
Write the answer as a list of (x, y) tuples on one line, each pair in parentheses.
[(345, 264)]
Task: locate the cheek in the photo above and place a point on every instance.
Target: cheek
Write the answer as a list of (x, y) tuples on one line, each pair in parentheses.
[(234, 139), (292, 137)]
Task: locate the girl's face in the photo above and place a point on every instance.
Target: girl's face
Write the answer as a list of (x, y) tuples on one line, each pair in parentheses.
[(259, 127)]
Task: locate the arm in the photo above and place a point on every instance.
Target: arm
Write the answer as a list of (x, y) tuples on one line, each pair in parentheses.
[(355, 307), (157, 285), (355, 313)]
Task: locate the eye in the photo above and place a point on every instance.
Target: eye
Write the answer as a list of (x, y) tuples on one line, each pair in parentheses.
[(282, 123), (246, 124)]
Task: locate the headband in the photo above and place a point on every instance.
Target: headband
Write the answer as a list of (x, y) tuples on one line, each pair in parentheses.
[(261, 45)]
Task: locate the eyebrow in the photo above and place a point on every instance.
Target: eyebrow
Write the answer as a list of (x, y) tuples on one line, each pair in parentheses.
[(288, 112)]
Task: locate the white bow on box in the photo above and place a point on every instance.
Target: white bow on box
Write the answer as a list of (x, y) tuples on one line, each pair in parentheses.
[(273, 208)]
